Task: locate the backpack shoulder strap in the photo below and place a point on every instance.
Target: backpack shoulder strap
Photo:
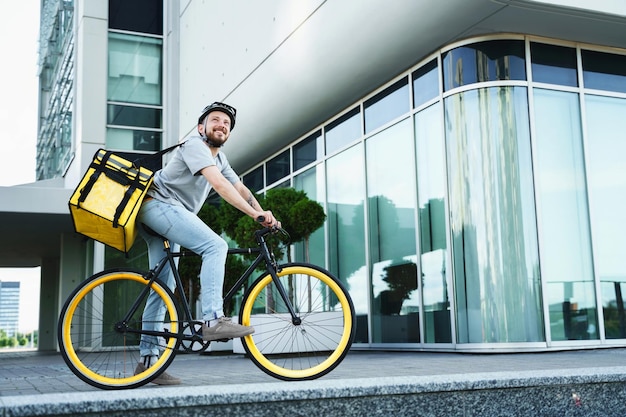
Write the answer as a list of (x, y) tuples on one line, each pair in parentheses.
[(159, 154)]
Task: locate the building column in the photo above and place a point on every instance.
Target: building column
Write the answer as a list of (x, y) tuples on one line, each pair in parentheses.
[(59, 277), (48, 309)]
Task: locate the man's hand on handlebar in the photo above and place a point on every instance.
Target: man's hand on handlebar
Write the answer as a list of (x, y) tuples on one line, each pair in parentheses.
[(267, 219)]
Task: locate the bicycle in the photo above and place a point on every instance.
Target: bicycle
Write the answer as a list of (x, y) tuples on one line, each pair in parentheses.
[(302, 315)]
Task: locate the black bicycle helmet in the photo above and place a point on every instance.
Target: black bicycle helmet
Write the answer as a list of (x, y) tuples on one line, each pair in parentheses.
[(229, 110)]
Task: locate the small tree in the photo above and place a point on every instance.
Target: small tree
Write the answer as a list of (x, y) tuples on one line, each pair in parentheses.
[(238, 226), (299, 215), (307, 216)]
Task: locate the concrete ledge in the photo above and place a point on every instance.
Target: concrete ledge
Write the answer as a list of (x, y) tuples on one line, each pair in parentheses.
[(576, 392)]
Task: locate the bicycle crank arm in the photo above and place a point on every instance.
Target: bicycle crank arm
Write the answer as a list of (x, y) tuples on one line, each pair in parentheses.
[(165, 334)]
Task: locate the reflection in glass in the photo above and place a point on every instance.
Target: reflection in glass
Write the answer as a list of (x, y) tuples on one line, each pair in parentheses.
[(343, 131), (391, 212), (132, 139), (133, 116), (386, 105), (602, 71), (137, 15), (311, 182), (566, 263), (278, 167), (493, 224), (346, 233), (254, 179), (607, 192), (137, 257), (135, 70), (482, 62), (425, 83), (308, 151), (553, 64), (431, 170)]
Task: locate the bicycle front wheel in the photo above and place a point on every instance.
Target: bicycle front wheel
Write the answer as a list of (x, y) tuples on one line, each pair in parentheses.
[(312, 344), (100, 326)]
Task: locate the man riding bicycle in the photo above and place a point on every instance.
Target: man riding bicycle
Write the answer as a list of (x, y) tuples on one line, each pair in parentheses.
[(170, 209)]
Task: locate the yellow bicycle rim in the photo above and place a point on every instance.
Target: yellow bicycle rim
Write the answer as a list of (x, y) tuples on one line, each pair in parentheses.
[(67, 337), (345, 337)]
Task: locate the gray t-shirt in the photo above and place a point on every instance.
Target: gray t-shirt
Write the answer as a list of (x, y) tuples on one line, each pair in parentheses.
[(180, 181)]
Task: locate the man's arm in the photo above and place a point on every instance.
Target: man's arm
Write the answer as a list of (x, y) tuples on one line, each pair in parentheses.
[(247, 195), (238, 195)]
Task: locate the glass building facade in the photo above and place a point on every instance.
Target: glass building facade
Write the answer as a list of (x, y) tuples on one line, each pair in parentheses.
[(56, 75), (474, 201), (9, 307), (134, 92), (135, 75)]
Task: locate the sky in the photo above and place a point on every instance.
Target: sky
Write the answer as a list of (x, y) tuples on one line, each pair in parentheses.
[(19, 33), (19, 43)]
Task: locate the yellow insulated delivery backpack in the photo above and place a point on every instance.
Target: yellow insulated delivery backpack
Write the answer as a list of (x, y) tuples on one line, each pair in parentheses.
[(105, 204)]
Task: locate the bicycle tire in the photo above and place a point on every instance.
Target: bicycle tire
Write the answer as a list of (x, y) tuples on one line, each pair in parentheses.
[(310, 349), (91, 334)]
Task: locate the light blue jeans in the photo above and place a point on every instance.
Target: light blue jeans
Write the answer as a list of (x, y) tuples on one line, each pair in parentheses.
[(182, 228)]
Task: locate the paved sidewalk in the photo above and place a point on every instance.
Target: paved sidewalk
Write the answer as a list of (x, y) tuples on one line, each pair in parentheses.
[(589, 383), (28, 373)]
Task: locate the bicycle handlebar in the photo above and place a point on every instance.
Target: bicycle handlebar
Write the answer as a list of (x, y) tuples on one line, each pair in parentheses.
[(267, 230)]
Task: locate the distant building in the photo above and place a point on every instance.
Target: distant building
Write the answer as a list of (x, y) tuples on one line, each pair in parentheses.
[(9, 307)]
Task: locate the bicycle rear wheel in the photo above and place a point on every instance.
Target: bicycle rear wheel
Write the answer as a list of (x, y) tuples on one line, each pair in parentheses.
[(102, 348), (306, 348)]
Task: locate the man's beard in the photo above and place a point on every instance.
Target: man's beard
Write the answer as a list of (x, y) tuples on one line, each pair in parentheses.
[(215, 142)]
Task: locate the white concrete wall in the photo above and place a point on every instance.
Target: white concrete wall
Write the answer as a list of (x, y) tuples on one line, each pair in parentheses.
[(614, 7), (223, 43)]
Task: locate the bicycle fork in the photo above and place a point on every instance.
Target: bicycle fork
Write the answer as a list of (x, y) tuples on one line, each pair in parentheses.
[(295, 319)]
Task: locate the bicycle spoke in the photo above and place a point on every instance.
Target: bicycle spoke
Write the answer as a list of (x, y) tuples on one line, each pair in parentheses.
[(316, 341), (102, 349)]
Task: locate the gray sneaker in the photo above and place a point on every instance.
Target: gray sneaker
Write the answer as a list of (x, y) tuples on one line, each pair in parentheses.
[(163, 379), (225, 329)]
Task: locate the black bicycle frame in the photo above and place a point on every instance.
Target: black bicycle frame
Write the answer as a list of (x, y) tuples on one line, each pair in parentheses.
[(262, 257)]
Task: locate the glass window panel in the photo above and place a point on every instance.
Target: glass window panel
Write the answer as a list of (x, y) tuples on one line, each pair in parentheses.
[(346, 230), (307, 151), (137, 258), (493, 226), (484, 61), (133, 116), (431, 174), (391, 210), (425, 83), (607, 192), (553, 64), (387, 105), (566, 263), (129, 139), (602, 71), (311, 182), (278, 167), (254, 179), (137, 15), (284, 184), (135, 69), (343, 131)]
